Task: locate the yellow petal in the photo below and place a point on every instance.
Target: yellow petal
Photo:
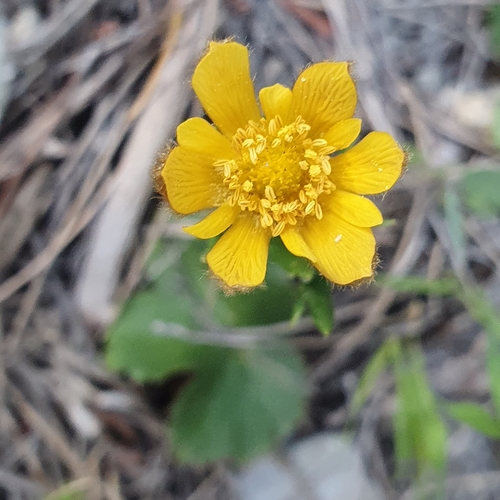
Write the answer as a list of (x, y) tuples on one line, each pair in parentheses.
[(190, 179), (323, 95), (355, 209), (295, 244), (224, 86), (215, 223), (275, 100), (344, 252), (239, 258), (198, 135), (372, 166), (343, 133)]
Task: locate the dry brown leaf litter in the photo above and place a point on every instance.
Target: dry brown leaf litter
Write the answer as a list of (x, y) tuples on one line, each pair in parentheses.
[(85, 74)]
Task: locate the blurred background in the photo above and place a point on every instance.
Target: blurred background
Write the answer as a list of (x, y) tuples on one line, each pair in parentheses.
[(400, 400)]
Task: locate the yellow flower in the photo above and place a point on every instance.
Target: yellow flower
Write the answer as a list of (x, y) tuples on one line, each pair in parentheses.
[(274, 175)]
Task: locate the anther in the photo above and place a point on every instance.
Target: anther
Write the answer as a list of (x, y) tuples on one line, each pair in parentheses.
[(254, 157), (261, 144), (314, 170), (266, 220), (327, 150), (325, 165), (310, 207), (269, 192), (318, 211), (272, 127), (278, 228)]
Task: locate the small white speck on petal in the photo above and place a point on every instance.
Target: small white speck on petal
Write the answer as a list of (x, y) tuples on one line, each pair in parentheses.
[(338, 238)]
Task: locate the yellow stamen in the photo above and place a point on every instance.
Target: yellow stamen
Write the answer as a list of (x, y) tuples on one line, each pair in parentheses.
[(269, 191), (314, 170), (279, 172), (278, 228), (310, 207)]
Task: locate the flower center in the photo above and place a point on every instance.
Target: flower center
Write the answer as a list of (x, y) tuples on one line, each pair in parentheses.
[(279, 174)]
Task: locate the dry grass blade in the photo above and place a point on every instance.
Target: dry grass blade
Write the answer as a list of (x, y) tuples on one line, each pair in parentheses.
[(19, 486), (47, 431), (47, 35), (22, 207), (23, 148)]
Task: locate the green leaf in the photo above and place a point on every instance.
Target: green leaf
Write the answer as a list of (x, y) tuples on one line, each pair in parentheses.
[(420, 285), (296, 267), (318, 297), (139, 342), (136, 348), (415, 156), (403, 442), (238, 403), (273, 302), (299, 308), (136, 341), (481, 310), (377, 364), (270, 304), (481, 188), (239, 406), (432, 442), (195, 272), (454, 223), (164, 257), (476, 417), (419, 429), (75, 490), (388, 223), (493, 368), (65, 496), (494, 24)]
